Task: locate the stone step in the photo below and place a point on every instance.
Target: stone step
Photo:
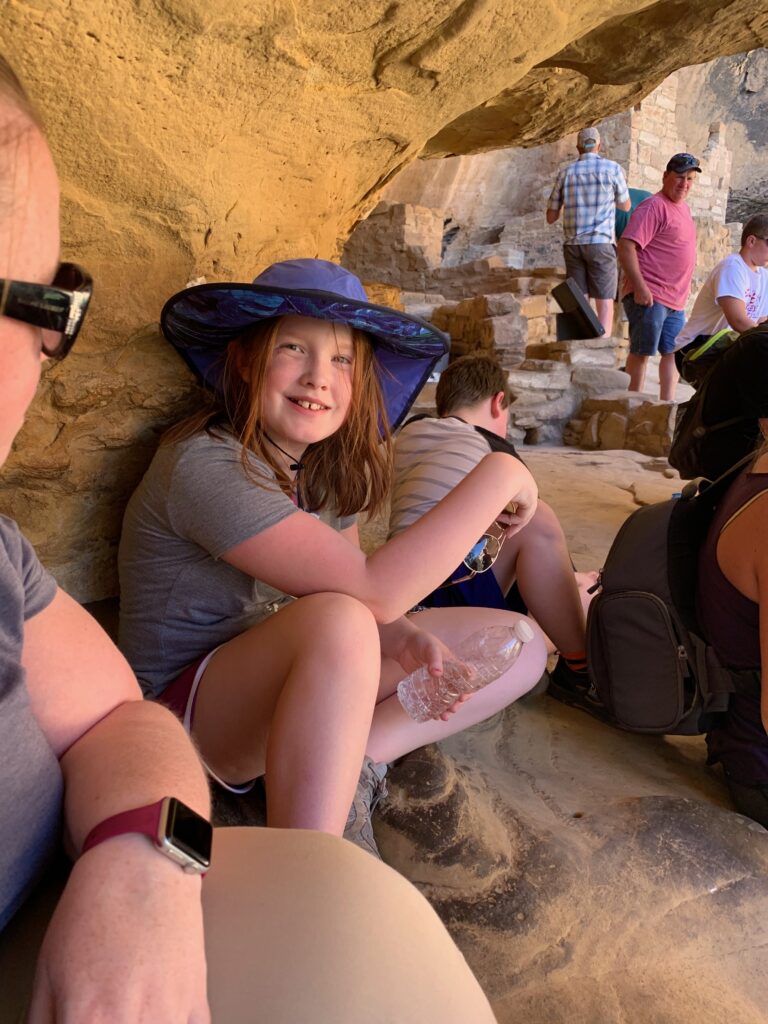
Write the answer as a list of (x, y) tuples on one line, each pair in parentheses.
[(616, 401), (574, 356), (540, 380), (594, 381)]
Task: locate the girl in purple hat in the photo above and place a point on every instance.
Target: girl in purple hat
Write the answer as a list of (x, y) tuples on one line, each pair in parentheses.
[(247, 604)]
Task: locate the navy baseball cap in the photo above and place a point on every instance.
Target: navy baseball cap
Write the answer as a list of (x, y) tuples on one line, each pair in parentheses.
[(201, 321), (681, 163)]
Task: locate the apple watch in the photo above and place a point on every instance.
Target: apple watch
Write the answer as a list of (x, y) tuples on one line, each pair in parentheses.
[(176, 830)]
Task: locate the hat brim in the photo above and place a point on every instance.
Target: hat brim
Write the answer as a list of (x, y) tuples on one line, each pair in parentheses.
[(201, 321)]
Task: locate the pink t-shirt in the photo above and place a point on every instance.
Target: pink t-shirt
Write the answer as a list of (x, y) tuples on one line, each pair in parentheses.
[(666, 238)]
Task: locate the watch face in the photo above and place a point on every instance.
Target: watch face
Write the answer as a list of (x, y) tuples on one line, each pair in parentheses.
[(189, 832)]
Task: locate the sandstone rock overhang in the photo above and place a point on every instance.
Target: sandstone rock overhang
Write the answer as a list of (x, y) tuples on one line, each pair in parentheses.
[(602, 70), (206, 138)]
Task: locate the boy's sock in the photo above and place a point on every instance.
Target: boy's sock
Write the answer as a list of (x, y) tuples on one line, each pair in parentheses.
[(575, 660)]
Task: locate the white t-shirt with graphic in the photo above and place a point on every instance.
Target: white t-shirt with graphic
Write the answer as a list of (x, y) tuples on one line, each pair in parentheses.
[(732, 278)]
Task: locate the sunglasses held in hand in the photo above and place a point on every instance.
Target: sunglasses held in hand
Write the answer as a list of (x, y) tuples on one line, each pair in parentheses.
[(58, 308), (481, 555)]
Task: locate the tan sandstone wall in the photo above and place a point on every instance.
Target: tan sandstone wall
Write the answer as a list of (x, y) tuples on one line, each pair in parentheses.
[(198, 137)]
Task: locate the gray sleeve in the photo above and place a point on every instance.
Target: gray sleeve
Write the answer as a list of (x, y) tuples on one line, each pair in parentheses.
[(214, 504), (38, 584)]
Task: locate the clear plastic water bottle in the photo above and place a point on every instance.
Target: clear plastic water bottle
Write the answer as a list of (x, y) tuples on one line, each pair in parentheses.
[(478, 660)]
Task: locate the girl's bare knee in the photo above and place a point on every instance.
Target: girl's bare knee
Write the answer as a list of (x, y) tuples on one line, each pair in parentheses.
[(339, 612), (341, 627)]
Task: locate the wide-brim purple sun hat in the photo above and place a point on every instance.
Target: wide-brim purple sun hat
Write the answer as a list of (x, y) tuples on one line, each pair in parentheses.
[(202, 320)]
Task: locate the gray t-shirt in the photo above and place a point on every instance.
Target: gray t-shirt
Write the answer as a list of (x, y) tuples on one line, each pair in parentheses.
[(32, 788), (178, 599)]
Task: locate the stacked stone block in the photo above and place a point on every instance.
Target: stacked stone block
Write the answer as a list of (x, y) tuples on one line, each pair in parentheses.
[(623, 420), (398, 244)]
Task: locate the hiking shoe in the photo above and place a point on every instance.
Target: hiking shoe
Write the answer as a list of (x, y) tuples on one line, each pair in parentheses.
[(576, 690), (751, 801), (371, 787)]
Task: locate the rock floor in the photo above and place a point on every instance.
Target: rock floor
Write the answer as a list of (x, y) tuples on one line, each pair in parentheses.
[(589, 875)]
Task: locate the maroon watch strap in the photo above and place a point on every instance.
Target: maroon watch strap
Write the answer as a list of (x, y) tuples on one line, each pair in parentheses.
[(144, 820)]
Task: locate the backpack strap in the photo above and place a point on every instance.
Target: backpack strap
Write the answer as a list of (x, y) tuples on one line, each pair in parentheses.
[(495, 443), (705, 346), (713, 489)]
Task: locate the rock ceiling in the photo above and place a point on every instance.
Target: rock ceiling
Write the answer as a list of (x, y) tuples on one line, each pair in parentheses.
[(198, 137)]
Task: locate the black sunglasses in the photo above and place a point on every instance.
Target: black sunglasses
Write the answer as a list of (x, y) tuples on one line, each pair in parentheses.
[(58, 308)]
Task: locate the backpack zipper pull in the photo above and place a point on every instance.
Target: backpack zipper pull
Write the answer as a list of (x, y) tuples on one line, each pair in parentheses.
[(683, 656)]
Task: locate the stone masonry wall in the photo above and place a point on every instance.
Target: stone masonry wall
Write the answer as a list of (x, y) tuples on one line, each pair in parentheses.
[(500, 197)]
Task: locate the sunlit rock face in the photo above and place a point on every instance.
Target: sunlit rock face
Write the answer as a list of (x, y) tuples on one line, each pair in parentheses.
[(210, 138)]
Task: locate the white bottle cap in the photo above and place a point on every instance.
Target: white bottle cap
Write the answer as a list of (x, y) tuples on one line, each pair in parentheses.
[(523, 631)]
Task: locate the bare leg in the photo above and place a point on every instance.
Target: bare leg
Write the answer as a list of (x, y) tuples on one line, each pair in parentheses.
[(605, 314), (294, 696), (538, 558), (668, 377), (636, 366), (304, 927), (393, 733)]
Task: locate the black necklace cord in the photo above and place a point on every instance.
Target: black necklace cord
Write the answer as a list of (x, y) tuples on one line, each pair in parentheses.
[(294, 467)]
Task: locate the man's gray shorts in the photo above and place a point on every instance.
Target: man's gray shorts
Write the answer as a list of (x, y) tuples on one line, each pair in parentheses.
[(593, 268)]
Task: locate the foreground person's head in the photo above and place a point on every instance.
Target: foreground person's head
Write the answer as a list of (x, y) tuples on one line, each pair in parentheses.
[(41, 304)]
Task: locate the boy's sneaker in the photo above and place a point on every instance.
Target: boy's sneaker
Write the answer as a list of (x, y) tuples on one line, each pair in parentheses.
[(576, 690), (371, 788)]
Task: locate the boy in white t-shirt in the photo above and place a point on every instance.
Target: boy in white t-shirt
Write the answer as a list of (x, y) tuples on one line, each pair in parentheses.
[(735, 295)]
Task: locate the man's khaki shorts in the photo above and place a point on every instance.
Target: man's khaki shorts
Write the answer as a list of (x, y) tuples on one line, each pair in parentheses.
[(593, 268)]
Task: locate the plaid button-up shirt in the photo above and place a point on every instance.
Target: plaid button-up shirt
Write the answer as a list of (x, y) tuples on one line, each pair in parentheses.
[(588, 190)]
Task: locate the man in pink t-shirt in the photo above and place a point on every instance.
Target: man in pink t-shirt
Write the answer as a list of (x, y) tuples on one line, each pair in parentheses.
[(657, 252)]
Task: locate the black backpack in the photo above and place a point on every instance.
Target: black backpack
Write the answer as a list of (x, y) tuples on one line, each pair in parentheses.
[(649, 662), (718, 425), (700, 448)]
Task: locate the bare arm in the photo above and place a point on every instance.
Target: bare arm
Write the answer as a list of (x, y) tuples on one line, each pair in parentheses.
[(626, 205), (553, 215), (735, 312), (303, 556), (626, 251), (122, 898), (759, 551), (117, 751), (742, 555)]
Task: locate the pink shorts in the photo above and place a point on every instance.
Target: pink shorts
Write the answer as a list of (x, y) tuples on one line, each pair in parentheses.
[(180, 696)]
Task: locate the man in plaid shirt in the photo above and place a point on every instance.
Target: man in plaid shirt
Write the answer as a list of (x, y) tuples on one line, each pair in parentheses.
[(588, 190)]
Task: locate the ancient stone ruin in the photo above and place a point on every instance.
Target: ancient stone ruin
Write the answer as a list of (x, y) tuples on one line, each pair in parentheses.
[(482, 264)]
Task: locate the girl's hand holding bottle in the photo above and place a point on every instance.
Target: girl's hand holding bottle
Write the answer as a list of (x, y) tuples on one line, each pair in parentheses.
[(413, 649)]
